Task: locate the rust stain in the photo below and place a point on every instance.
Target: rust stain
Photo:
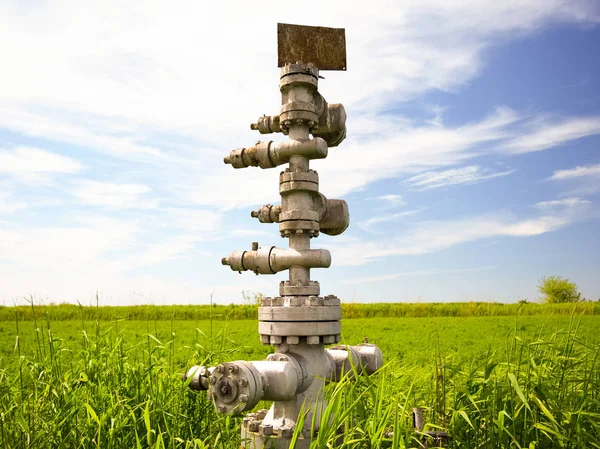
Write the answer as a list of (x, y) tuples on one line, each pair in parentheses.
[(322, 46)]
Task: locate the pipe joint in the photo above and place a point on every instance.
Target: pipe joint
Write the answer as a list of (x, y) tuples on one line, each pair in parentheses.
[(271, 260), (273, 154), (364, 357)]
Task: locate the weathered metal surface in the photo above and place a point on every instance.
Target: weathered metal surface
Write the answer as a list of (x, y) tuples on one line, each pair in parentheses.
[(322, 46), (303, 313), (299, 322)]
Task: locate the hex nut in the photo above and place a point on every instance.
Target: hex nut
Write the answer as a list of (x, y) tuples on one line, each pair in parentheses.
[(295, 301), (313, 340), (287, 433), (243, 398), (262, 413), (253, 426), (243, 381), (265, 429), (329, 339)]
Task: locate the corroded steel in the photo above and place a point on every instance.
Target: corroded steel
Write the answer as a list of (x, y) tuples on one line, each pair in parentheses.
[(324, 47)]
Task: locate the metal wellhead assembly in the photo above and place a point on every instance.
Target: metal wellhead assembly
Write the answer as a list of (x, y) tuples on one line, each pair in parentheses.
[(299, 322)]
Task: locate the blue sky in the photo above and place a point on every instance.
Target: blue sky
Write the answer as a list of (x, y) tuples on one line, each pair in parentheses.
[(471, 167)]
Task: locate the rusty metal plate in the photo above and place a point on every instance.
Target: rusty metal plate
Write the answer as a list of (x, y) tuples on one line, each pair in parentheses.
[(324, 47)]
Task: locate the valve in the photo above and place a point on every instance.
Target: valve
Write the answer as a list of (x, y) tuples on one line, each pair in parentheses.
[(330, 124), (272, 154), (271, 260), (333, 215)]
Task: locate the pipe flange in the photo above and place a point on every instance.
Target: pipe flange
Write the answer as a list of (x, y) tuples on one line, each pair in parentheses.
[(276, 340), (287, 228), (299, 329), (267, 213), (298, 186), (297, 110), (267, 124), (302, 313), (297, 78), (286, 288), (235, 387), (291, 68), (307, 176), (301, 301)]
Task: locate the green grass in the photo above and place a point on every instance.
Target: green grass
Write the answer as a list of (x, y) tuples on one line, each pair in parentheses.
[(491, 381), (67, 312)]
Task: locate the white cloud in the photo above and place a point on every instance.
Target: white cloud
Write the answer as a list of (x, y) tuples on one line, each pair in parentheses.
[(9, 205), (140, 86), (568, 203), (577, 172), (34, 165), (175, 87), (391, 200), (465, 175), (432, 236), (378, 219), (110, 254), (161, 78), (118, 196), (544, 133), (387, 277)]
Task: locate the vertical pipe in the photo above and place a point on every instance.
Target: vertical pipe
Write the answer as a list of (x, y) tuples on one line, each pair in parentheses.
[(298, 131)]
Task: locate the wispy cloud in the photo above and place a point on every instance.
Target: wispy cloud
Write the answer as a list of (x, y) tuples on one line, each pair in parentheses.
[(140, 98), (466, 175), (105, 253), (118, 196), (378, 219), (391, 200), (572, 203), (120, 99), (577, 172), (432, 236), (387, 277), (544, 133), (34, 165)]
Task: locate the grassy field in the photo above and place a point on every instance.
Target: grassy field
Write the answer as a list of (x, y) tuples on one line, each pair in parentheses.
[(532, 381)]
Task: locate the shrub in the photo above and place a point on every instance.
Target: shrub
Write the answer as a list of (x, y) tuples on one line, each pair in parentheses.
[(555, 289)]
